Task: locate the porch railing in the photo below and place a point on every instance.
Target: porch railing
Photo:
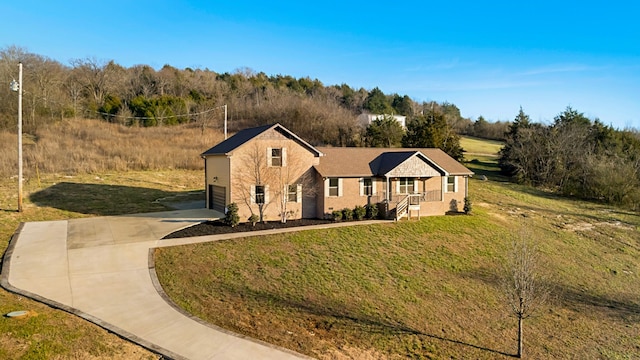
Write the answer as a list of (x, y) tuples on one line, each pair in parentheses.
[(407, 204), (402, 208), (428, 196)]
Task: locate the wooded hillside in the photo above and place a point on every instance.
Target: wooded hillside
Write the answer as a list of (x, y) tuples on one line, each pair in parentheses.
[(141, 95), (575, 156)]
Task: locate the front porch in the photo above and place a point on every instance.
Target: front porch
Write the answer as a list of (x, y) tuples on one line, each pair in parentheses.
[(401, 205)]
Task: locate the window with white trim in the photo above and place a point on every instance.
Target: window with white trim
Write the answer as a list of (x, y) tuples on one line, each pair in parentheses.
[(292, 193), (452, 184), (259, 194), (367, 186), (406, 185), (276, 157), (334, 186)]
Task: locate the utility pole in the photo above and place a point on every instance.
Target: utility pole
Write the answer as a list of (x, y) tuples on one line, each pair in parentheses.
[(225, 121), (17, 86)]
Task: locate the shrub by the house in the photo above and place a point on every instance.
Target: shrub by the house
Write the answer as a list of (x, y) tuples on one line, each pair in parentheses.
[(347, 214), (232, 218), (371, 211), (468, 206), (253, 219)]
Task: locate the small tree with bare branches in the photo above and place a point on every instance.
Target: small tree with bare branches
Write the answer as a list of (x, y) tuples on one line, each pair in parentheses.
[(255, 171), (290, 180), (279, 183), (523, 285)]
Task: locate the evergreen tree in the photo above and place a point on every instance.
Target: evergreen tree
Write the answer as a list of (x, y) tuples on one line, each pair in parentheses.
[(402, 105), (509, 156), (571, 117), (377, 102), (432, 130), (480, 127), (384, 132)]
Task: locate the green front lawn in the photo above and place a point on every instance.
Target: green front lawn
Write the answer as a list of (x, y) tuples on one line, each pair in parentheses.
[(424, 289)]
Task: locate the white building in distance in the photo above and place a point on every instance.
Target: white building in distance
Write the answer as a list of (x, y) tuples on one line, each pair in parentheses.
[(366, 119)]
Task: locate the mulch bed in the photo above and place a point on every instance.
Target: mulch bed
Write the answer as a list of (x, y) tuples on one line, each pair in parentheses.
[(218, 227)]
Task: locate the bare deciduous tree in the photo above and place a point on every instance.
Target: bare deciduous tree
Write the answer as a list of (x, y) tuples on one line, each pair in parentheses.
[(253, 172), (97, 77), (294, 177), (275, 182), (523, 285)]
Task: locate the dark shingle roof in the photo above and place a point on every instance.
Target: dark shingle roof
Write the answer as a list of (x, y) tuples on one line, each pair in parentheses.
[(243, 136), (236, 140), (388, 161)]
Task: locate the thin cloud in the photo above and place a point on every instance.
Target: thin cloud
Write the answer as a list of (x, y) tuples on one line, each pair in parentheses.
[(451, 86), (422, 64), (442, 65), (562, 68)]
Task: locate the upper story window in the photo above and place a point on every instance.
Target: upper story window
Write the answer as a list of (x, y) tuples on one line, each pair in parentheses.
[(276, 157)]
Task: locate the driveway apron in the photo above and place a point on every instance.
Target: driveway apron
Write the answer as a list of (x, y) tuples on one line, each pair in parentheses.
[(99, 268)]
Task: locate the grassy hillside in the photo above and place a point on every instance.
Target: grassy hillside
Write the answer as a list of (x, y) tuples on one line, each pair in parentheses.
[(83, 146), (477, 146), (54, 334), (428, 288)]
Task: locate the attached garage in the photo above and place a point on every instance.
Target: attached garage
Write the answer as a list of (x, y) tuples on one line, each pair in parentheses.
[(217, 198)]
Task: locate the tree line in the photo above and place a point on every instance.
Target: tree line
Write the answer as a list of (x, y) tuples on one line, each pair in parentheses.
[(574, 156), (143, 96)]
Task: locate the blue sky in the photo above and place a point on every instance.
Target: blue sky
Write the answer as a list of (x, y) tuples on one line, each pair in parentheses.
[(489, 58)]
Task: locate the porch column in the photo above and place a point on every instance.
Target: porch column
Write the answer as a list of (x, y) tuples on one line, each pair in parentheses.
[(386, 189), (466, 186)]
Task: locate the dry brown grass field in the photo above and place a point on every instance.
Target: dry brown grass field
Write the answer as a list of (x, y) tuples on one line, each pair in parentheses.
[(88, 146)]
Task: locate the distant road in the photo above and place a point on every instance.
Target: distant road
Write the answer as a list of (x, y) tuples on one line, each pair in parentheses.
[(481, 154)]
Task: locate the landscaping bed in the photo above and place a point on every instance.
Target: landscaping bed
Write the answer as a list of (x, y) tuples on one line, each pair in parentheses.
[(217, 227)]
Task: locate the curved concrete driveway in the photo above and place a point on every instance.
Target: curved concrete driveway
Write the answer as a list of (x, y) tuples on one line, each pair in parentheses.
[(98, 268)]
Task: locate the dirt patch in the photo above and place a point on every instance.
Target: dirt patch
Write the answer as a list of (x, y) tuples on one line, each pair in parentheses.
[(349, 352), (499, 216), (218, 227), (581, 226), (585, 226)]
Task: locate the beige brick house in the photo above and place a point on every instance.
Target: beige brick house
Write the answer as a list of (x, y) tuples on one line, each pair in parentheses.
[(270, 167)]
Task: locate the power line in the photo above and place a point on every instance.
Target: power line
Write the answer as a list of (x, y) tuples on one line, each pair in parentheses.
[(157, 117), (84, 110)]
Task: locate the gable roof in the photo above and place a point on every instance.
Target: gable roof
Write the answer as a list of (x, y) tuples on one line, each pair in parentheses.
[(246, 135), (388, 161), (365, 162)]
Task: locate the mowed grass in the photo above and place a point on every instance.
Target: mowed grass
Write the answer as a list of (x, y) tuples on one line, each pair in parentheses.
[(477, 146), (428, 288), (54, 334)]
